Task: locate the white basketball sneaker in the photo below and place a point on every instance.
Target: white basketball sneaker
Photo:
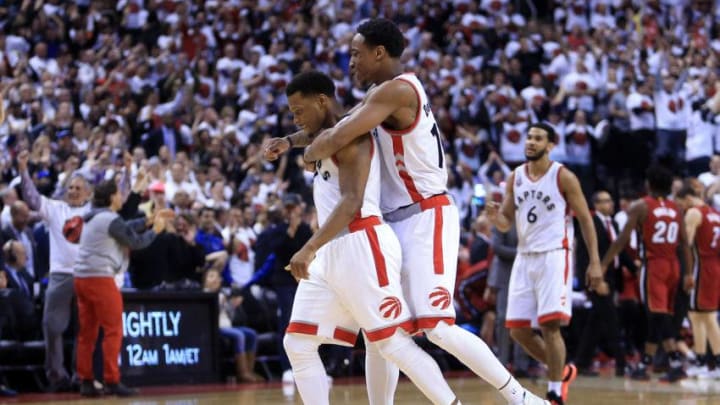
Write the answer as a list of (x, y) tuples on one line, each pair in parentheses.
[(697, 371)]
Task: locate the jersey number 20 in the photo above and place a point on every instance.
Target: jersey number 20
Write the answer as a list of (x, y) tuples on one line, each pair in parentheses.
[(665, 232)]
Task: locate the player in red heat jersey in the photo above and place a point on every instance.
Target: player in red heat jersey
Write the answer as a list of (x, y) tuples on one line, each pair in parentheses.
[(661, 229), (702, 224)]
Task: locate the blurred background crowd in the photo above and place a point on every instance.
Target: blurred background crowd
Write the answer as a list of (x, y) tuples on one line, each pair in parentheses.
[(186, 91)]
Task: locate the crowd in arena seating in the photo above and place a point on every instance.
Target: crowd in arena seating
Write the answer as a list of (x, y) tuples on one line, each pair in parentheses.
[(186, 92)]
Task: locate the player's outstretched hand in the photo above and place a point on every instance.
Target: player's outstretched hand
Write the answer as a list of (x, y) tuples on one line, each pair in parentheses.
[(300, 262), (274, 147)]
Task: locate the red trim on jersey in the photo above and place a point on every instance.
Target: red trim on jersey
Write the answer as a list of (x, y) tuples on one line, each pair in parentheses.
[(378, 257), (553, 316), (345, 335), (334, 159), (359, 224), (437, 242), (567, 264), (517, 323), (432, 321), (409, 129), (435, 201), (302, 327), (386, 332), (559, 183), (399, 152)]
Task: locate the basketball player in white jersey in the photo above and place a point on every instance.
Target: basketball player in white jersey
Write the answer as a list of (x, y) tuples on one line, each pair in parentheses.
[(349, 270), (415, 203), (540, 197)]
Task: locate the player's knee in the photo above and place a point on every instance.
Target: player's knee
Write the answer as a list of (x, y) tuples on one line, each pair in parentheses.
[(390, 347), (550, 328), (297, 344), (521, 334), (439, 333)]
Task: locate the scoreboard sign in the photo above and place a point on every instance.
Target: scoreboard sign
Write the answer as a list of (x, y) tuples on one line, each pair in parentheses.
[(169, 337)]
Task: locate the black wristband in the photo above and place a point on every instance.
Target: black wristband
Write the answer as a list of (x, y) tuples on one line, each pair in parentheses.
[(287, 138)]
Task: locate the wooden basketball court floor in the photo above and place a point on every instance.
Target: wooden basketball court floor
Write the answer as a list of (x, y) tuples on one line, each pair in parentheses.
[(585, 391)]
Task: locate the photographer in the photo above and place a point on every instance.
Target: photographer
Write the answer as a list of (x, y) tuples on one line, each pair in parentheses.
[(104, 242)]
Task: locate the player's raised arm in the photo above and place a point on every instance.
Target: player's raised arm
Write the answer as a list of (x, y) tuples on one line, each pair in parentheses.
[(377, 107), (503, 215), (353, 163)]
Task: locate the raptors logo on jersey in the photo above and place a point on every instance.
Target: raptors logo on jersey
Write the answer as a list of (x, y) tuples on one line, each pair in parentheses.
[(541, 212), (414, 160)]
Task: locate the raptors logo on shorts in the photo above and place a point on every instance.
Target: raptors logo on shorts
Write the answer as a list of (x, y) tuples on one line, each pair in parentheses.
[(440, 298), (390, 308)]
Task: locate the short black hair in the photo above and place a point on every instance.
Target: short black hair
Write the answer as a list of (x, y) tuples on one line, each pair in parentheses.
[(311, 83), (383, 32), (549, 130), (660, 179), (686, 191), (102, 196)]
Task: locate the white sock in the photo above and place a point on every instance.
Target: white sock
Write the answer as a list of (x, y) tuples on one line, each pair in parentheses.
[(308, 369), (381, 376), (422, 370), (555, 386), (513, 392), (471, 351), (691, 355)]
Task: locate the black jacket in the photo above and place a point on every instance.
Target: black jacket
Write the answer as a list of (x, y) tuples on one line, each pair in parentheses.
[(275, 239), (613, 276)]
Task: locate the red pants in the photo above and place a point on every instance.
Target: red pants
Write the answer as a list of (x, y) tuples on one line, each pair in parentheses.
[(99, 304)]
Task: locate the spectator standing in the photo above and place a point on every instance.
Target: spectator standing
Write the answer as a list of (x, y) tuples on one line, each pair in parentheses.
[(59, 216), (285, 235), (504, 246), (102, 253), (602, 321)]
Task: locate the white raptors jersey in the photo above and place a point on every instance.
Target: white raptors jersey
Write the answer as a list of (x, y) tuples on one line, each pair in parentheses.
[(326, 188), (413, 159), (542, 215)]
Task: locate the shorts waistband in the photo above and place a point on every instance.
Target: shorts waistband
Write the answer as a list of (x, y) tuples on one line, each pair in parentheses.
[(533, 253), (406, 212), (360, 224)]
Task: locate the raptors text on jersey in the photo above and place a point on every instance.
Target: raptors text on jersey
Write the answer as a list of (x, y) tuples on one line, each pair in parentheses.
[(542, 215)]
